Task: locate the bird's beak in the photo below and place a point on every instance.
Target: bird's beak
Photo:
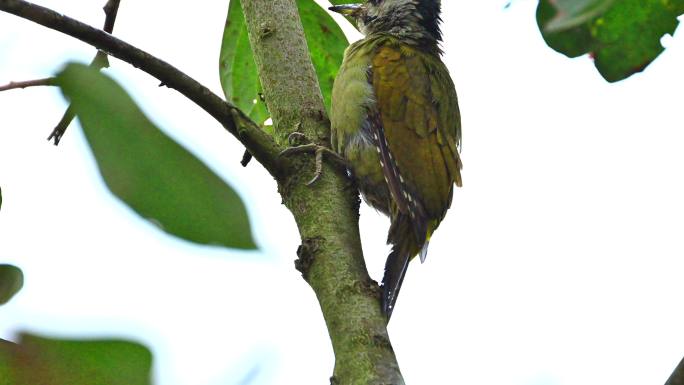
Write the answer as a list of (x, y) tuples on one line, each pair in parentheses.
[(346, 9)]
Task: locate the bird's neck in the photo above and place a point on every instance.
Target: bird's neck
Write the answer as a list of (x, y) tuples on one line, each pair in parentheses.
[(409, 27), (418, 41)]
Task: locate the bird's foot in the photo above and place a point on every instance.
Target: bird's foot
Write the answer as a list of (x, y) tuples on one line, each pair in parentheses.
[(296, 139), (317, 150)]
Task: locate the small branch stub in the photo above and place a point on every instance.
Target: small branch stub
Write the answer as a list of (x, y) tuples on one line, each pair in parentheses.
[(246, 158), (265, 31), (306, 253)]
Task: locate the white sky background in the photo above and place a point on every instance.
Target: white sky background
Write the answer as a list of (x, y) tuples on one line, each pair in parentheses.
[(559, 263)]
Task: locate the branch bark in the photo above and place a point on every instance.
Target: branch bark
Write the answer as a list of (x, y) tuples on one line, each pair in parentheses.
[(28, 83), (677, 377), (330, 257), (259, 143)]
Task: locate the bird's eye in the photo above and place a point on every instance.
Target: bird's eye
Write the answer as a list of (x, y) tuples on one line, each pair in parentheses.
[(375, 2)]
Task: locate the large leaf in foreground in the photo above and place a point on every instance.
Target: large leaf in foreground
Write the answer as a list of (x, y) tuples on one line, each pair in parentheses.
[(11, 281), (150, 172), (237, 69), (622, 36), (45, 361)]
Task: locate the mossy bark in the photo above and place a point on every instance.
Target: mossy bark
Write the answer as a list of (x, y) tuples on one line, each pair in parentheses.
[(330, 257)]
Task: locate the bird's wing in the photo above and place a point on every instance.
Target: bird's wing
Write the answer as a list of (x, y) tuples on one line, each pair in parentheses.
[(420, 125), (443, 89)]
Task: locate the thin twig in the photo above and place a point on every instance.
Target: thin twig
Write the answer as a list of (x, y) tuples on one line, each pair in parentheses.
[(110, 10), (62, 125), (259, 143), (28, 83), (100, 61)]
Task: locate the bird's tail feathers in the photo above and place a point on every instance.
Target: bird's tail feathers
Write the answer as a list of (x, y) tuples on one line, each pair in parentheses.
[(424, 250), (407, 237), (395, 271)]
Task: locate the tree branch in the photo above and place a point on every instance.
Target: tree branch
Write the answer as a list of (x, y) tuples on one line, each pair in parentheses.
[(330, 257), (100, 61), (677, 377), (28, 83), (259, 143), (110, 9)]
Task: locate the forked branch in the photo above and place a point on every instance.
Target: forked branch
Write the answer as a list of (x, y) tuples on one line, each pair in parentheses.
[(259, 143)]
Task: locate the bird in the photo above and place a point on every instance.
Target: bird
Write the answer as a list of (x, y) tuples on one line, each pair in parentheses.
[(395, 120)]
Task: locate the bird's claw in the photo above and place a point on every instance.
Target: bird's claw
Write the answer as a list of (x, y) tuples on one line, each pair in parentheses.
[(305, 148), (318, 151), (297, 138)]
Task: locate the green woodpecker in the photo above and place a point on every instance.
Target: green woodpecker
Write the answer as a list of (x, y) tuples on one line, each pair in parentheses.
[(395, 119)]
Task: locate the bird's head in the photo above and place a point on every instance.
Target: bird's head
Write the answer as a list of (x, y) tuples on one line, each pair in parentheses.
[(416, 20)]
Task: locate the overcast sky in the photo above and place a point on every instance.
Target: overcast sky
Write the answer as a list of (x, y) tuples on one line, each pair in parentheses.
[(559, 263)]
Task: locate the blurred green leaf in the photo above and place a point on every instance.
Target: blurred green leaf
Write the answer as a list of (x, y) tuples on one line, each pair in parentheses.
[(45, 361), (11, 281), (238, 72), (150, 172), (622, 36)]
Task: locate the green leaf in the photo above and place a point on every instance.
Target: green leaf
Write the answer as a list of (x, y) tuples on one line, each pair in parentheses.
[(150, 172), (46, 361), (11, 281), (622, 36), (237, 69)]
